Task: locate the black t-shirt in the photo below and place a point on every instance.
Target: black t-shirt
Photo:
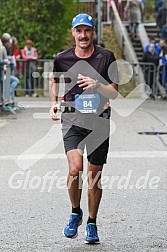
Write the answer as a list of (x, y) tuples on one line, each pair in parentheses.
[(96, 66)]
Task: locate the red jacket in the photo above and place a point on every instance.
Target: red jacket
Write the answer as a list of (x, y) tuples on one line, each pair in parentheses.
[(24, 55)]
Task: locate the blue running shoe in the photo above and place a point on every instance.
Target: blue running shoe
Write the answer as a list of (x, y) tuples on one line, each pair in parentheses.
[(71, 229), (91, 234)]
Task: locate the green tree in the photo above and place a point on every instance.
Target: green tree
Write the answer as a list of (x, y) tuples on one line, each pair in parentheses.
[(45, 22)]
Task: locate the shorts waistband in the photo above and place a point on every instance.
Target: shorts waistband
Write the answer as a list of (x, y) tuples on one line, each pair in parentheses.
[(69, 109)]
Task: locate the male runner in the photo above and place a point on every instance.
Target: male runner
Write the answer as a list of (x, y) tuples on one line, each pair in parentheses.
[(85, 120)]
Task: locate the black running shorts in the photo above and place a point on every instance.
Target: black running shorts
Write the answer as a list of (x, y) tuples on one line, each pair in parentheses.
[(96, 145)]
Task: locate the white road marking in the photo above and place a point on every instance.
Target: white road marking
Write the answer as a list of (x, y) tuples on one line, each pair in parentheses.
[(114, 154)]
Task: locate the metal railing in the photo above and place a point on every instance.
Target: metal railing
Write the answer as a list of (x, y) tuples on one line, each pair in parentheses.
[(44, 67), (33, 76), (149, 71), (5, 103), (5, 84), (161, 85)]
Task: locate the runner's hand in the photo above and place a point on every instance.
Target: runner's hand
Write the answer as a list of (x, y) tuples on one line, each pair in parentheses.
[(53, 110), (86, 82)]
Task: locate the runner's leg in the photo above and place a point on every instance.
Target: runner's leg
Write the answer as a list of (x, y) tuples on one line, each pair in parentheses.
[(74, 180), (94, 188)]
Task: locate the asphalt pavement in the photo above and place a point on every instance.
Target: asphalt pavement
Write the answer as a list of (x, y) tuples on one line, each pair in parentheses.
[(34, 201)]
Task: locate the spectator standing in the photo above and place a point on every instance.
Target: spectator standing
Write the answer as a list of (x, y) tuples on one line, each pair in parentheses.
[(110, 7), (150, 57), (133, 11), (14, 81), (6, 41), (161, 45), (161, 53), (30, 54), (158, 47), (16, 54), (164, 32), (3, 54), (159, 50), (164, 71), (3, 60), (158, 4), (162, 16), (142, 11)]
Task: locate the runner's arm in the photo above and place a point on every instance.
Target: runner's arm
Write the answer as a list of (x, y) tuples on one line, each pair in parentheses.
[(109, 91), (53, 96)]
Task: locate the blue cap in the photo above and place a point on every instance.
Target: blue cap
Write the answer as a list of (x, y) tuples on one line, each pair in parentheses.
[(82, 19)]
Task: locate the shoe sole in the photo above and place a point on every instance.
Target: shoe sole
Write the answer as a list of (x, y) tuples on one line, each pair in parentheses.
[(70, 237), (92, 242), (74, 236)]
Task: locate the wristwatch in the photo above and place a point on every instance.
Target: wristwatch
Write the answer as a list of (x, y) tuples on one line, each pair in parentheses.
[(98, 84)]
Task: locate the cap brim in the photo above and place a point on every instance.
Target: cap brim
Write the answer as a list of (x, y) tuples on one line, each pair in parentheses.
[(84, 23)]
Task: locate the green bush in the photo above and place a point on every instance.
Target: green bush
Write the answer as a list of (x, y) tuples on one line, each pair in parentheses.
[(45, 22)]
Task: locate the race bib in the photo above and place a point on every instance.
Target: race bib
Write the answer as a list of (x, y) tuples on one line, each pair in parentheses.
[(87, 103)]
